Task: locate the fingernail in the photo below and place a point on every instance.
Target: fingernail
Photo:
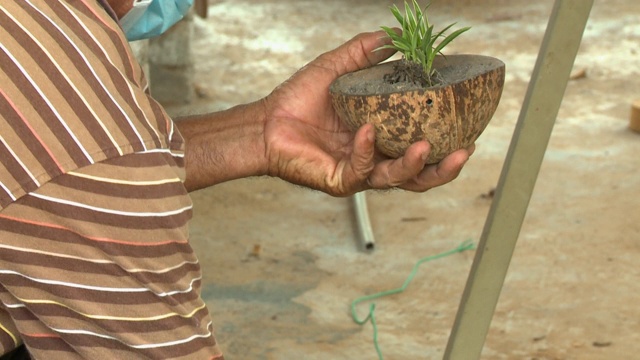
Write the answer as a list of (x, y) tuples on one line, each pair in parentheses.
[(371, 135), (424, 155)]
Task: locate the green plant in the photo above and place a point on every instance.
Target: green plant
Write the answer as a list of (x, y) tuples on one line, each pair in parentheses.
[(417, 42)]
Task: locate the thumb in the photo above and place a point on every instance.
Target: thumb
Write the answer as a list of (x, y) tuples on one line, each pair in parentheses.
[(358, 53)]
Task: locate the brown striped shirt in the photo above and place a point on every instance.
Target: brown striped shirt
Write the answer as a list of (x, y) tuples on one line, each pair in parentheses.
[(94, 255), (71, 94), (96, 264)]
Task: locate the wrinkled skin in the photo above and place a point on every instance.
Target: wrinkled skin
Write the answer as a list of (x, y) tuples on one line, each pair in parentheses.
[(295, 134)]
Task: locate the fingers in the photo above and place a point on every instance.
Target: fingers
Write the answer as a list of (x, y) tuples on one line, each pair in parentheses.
[(471, 149), (410, 173), (355, 172), (361, 172), (358, 53), (441, 173), (395, 173)]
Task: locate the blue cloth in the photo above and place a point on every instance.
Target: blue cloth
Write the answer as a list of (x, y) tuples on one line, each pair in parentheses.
[(158, 17)]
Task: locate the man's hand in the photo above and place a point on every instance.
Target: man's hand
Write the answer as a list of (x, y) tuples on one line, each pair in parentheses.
[(295, 134), (307, 144)]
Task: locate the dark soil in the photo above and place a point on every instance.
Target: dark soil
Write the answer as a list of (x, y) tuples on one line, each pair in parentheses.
[(409, 72), (399, 76)]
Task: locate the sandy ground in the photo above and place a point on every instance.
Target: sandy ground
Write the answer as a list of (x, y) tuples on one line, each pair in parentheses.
[(282, 264)]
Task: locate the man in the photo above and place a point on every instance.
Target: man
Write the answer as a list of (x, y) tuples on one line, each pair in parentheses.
[(94, 255)]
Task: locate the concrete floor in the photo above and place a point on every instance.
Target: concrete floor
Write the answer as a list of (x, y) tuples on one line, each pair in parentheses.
[(282, 264)]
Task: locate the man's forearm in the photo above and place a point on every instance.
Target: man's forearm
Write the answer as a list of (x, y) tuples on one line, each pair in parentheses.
[(224, 145)]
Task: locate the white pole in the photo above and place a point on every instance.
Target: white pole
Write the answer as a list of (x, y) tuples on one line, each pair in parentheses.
[(524, 158), (362, 218)]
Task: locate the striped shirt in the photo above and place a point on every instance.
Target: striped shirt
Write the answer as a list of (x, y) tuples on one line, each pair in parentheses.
[(71, 94), (94, 255)]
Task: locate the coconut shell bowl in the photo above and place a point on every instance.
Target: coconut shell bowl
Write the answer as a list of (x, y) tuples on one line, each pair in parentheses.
[(450, 115)]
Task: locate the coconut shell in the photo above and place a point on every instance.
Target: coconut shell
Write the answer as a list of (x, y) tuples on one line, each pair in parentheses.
[(450, 116)]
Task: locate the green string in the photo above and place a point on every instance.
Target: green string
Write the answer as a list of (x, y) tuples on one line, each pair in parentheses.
[(466, 245)]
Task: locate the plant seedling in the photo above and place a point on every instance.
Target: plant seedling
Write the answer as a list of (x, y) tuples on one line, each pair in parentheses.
[(446, 101), (417, 43)]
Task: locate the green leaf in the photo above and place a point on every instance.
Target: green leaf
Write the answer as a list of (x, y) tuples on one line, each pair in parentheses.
[(418, 38), (421, 57), (450, 38), (419, 21), (428, 41), (391, 33), (383, 47), (426, 17), (401, 46), (441, 33), (410, 19), (396, 13), (414, 39)]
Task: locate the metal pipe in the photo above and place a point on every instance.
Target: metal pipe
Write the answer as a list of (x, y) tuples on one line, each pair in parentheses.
[(362, 218)]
